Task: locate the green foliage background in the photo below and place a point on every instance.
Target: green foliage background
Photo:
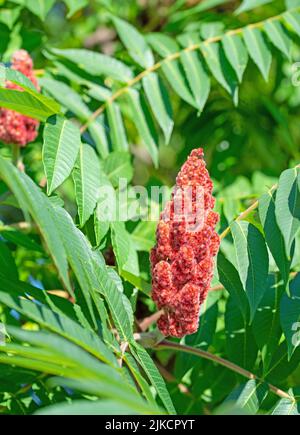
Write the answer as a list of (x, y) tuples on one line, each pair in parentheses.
[(168, 76)]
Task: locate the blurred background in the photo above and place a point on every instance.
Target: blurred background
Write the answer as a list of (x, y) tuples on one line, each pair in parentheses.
[(260, 136)]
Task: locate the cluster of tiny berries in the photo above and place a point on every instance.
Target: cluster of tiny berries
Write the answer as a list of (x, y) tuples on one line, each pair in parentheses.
[(16, 128), (182, 260)]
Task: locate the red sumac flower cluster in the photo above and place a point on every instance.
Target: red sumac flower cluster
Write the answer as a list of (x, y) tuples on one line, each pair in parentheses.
[(16, 128), (182, 260)]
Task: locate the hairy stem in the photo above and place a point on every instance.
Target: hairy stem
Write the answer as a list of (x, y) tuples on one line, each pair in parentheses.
[(169, 58), (165, 344), (243, 215)]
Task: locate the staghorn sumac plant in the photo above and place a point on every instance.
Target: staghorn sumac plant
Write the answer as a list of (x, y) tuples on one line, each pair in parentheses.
[(140, 274)]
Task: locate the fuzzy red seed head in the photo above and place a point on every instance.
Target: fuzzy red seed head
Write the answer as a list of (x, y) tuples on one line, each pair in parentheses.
[(182, 260), (16, 128)]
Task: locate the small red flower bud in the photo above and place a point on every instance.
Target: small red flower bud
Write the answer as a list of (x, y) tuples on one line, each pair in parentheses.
[(16, 128), (182, 260)]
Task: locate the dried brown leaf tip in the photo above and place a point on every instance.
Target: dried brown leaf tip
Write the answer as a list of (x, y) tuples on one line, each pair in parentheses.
[(183, 259)]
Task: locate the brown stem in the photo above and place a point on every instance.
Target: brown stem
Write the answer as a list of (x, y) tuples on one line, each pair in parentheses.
[(169, 58), (148, 321), (216, 288), (171, 378), (25, 226), (245, 214), (249, 210), (165, 344)]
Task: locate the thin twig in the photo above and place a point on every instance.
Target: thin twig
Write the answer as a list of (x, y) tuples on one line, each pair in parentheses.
[(25, 226), (249, 210), (148, 321), (216, 288), (171, 378), (165, 344), (241, 217), (169, 58)]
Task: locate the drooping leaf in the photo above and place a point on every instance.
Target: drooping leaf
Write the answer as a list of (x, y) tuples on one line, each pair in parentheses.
[(266, 323), (197, 76), (72, 101), (258, 50), (25, 103), (281, 367), (290, 316), (252, 260), (159, 102), (287, 406), (173, 71), (54, 321), (278, 36), (32, 201), (86, 175), (144, 125), (287, 207), (95, 387), (164, 45), (292, 18), (134, 42), (117, 129), (236, 53), (221, 68), (96, 63), (248, 5), (229, 277), (249, 396), (240, 343), (273, 235), (79, 254), (134, 369), (101, 225), (60, 150), (114, 298), (211, 29), (143, 358), (125, 252), (16, 77), (138, 282), (73, 362)]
